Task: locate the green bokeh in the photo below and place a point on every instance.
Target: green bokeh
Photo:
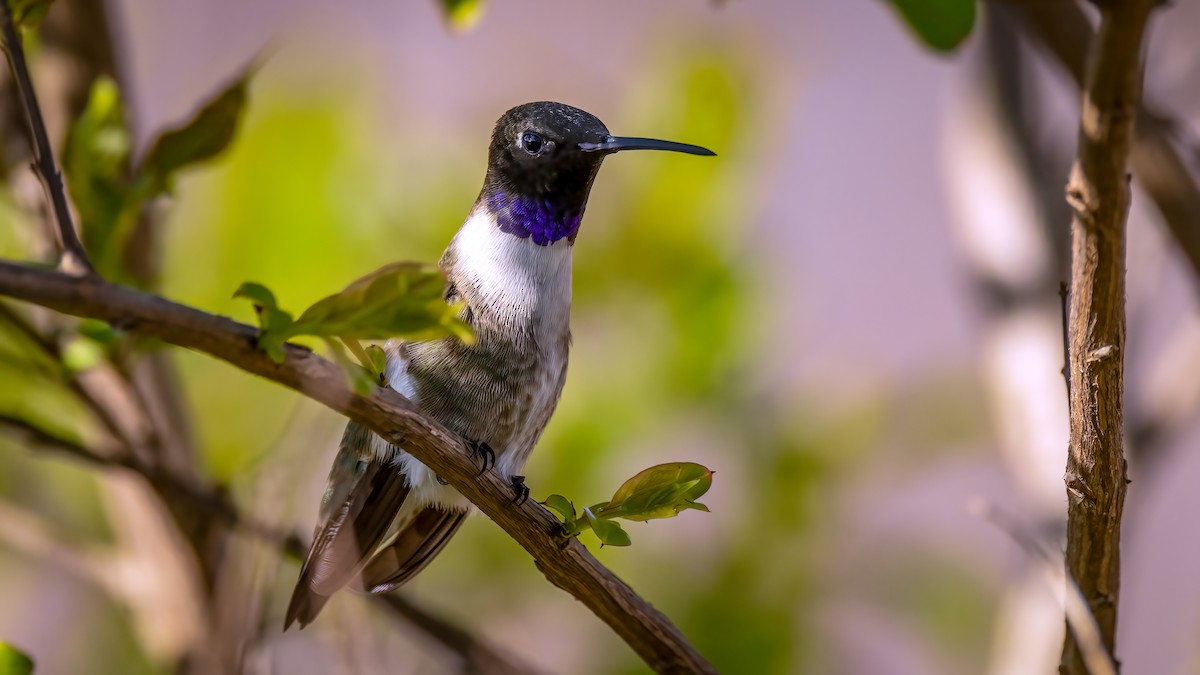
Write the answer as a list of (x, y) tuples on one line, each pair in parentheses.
[(14, 662)]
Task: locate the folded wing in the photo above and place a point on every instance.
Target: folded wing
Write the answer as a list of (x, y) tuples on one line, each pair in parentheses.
[(412, 547), (362, 501)]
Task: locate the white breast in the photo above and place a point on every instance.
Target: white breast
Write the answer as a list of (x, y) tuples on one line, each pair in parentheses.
[(518, 279), (518, 283)]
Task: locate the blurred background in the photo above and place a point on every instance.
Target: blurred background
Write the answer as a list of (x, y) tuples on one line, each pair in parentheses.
[(851, 315)]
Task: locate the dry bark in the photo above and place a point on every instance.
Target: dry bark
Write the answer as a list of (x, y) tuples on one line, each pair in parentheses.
[(1099, 193)]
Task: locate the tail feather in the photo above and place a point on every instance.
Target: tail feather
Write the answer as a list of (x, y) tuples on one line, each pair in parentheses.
[(347, 538), (304, 607), (412, 548)]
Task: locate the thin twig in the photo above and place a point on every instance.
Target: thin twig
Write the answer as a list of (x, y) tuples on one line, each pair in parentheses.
[(35, 435), (566, 563), (74, 259), (1080, 619), (476, 656)]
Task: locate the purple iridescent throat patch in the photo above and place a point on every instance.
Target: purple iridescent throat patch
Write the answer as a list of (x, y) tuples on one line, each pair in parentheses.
[(538, 220)]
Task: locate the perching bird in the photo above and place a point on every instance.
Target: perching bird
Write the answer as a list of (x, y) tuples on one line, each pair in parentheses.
[(384, 515)]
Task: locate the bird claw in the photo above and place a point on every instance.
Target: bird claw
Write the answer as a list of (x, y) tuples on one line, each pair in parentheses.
[(440, 480), (484, 453), (520, 490)]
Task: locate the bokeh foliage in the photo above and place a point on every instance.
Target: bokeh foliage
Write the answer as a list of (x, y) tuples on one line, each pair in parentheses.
[(14, 662)]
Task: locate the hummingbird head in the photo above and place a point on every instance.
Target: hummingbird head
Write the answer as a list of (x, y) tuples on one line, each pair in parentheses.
[(541, 164)]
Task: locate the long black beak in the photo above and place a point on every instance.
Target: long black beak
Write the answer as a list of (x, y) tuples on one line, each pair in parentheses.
[(618, 143)]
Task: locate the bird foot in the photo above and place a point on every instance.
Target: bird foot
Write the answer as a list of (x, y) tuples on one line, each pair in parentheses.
[(484, 453), (520, 490)]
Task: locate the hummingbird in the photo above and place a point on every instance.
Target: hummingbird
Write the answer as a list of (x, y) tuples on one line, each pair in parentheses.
[(385, 515)]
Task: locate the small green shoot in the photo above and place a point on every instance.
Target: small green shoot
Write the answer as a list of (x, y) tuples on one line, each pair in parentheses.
[(106, 187), (401, 300), (662, 491)]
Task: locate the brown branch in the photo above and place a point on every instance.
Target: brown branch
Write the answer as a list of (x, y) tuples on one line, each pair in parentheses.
[(74, 259), (1099, 194), (1063, 28), (565, 562)]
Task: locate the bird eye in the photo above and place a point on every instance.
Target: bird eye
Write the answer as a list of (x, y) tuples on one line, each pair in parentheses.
[(531, 142)]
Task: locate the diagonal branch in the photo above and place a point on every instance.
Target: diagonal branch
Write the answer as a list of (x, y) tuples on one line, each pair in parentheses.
[(565, 562), (36, 436), (74, 259), (1079, 617), (477, 656), (1099, 193)]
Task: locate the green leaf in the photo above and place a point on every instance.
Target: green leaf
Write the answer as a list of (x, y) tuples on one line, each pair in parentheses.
[(562, 506), (398, 300), (273, 323), (608, 532), (276, 322), (273, 346), (13, 662), (462, 15), (661, 491), (271, 320), (359, 353), (377, 363), (28, 14), (940, 24), (360, 380), (96, 163), (203, 137), (260, 295), (108, 194)]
